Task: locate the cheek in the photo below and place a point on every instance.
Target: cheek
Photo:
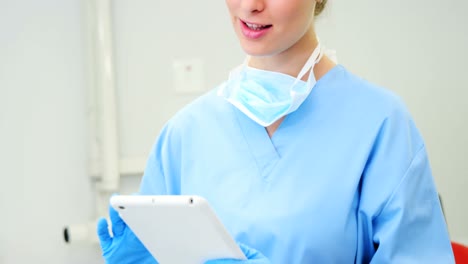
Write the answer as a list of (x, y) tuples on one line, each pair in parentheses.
[(289, 23), (287, 13), (231, 4), (295, 17)]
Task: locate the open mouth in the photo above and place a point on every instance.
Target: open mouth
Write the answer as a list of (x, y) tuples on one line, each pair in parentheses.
[(257, 27), (254, 31)]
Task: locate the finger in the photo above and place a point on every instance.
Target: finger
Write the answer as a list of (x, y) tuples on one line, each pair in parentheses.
[(247, 251), (118, 225), (250, 253), (103, 233)]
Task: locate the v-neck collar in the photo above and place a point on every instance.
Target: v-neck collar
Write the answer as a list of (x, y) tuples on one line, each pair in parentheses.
[(262, 147), (259, 142)]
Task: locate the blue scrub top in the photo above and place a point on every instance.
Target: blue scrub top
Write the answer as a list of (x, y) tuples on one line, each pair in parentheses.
[(344, 179)]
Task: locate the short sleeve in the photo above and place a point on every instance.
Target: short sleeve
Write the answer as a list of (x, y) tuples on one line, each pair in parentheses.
[(411, 226)]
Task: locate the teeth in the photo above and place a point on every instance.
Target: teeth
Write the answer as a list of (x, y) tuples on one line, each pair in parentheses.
[(254, 26)]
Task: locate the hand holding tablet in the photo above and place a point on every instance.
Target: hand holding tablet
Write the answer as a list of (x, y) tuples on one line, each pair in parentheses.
[(177, 229), (123, 246)]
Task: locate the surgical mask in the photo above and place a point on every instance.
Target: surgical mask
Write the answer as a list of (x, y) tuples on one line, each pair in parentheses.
[(266, 96)]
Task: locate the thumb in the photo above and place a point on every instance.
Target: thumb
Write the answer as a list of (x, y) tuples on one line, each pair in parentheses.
[(252, 254), (118, 225), (103, 233)]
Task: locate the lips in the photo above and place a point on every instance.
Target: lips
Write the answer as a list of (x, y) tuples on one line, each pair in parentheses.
[(256, 26), (254, 30)]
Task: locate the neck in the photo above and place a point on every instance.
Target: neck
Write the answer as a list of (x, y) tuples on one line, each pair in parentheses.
[(289, 61)]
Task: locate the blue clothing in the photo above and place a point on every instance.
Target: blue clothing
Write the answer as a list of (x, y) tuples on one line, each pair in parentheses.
[(344, 179)]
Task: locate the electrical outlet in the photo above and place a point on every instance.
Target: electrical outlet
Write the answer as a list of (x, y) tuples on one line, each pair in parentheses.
[(189, 76)]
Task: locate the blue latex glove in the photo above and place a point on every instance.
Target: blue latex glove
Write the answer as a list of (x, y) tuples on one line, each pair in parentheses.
[(123, 247), (252, 255)]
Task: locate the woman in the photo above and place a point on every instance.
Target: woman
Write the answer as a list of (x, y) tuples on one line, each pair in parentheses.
[(302, 161)]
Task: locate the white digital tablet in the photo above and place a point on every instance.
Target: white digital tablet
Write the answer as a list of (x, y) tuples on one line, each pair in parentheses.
[(177, 229)]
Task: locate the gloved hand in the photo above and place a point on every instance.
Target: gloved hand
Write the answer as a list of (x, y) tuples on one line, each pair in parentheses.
[(252, 255), (123, 247)]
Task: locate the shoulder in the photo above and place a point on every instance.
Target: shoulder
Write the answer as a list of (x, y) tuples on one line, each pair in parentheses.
[(364, 96), (184, 127), (366, 108), (355, 104), (385, 106), (372, 115)]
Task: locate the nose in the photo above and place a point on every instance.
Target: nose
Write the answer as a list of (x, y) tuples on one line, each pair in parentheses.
[(253, 6)]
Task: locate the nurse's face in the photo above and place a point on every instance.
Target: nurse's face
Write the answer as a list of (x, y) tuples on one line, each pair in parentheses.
[(270, 27)]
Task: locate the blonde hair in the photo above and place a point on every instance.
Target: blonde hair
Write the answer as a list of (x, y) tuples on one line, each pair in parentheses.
[(319, 6)]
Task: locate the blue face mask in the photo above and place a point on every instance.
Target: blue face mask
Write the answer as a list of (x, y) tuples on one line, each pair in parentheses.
[(266, 96)]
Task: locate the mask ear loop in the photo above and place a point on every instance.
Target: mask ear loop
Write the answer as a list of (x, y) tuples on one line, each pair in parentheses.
[(311, 73), (313, 59), (246, 60)]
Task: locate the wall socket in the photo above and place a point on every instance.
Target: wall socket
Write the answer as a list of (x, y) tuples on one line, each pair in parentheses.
[(189, 76)]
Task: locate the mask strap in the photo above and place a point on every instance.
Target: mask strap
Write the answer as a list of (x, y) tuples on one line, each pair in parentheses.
[(246, 61), (322, 53), (313, 59)]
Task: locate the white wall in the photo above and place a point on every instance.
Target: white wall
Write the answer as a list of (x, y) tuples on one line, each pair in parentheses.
[(416, 48), (149, 36), (43, 151)]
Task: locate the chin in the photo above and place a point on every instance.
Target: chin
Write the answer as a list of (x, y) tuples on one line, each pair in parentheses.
[(261, 48), (258, 48), (257, 51)]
